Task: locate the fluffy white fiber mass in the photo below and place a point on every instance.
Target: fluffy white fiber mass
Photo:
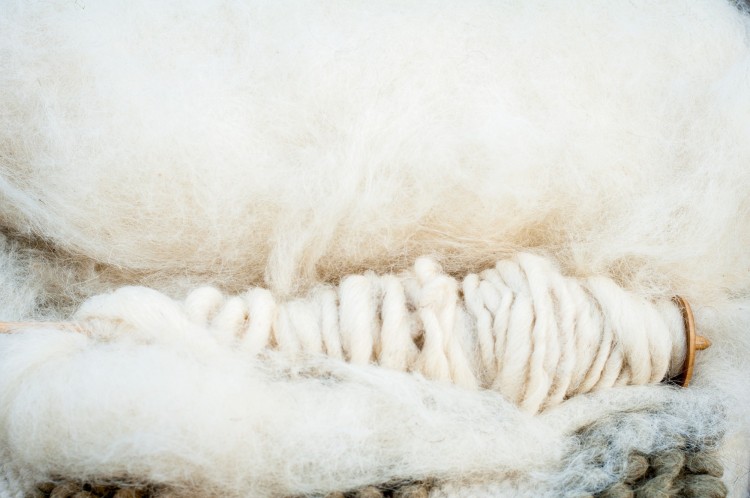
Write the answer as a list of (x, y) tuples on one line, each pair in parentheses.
[(250, 143)]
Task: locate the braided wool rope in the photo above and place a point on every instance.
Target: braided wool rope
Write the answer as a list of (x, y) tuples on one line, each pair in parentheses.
[(675, 472), (71, 489), (671, 473), (520, 328)]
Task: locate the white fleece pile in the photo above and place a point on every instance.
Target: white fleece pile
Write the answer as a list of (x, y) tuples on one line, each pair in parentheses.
[(284, 145)]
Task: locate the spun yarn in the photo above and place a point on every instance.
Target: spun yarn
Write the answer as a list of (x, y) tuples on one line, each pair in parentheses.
[(520, 328)]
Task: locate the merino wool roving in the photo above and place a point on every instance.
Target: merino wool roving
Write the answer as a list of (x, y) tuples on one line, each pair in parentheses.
[(397, 248)]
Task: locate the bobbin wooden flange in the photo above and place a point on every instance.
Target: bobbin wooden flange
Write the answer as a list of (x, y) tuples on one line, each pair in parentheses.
[(693, 342)]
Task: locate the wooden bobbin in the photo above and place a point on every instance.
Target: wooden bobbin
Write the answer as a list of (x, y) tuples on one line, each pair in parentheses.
[(693, 342)]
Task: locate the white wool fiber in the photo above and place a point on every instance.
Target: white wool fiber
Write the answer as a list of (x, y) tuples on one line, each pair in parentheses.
[(248, 141), (281, 429), (145, 408), (289, 145)]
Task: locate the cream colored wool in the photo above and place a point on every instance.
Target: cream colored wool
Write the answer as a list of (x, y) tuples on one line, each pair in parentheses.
[(288, 145)]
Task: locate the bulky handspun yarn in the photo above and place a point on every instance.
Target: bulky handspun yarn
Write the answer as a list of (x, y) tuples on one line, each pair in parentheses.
[(520, 328)]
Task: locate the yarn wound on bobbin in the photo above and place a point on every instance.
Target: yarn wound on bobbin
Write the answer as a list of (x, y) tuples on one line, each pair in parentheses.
[(521, 328)]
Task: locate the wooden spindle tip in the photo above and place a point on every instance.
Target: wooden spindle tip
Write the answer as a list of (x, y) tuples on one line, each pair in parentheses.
[(702, 343)]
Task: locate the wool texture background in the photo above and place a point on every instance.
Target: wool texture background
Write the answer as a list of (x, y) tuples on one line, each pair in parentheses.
[(249, 143)]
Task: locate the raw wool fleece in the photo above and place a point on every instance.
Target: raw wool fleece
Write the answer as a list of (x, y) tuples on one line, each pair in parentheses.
[(176, 144)]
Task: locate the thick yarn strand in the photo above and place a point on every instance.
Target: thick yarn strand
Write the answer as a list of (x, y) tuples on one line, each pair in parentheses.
[(520, 328)]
